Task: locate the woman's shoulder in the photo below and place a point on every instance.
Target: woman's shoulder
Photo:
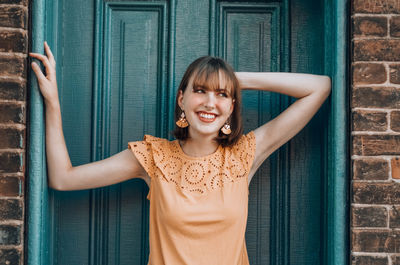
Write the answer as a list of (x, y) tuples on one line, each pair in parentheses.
[(245, 141), (153, 139), (150, 139), (158, 144)]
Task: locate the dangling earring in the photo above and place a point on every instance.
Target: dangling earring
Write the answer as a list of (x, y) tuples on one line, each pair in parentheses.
[(182, 122), (226, 129)]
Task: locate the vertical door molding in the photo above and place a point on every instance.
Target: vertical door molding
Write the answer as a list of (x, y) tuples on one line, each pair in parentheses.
[(37, 211), (337, 187)]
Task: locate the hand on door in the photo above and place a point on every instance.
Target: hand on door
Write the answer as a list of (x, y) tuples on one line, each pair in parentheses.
[(48, 82)]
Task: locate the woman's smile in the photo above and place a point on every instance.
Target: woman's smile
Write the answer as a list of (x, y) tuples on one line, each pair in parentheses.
[(206, 116)]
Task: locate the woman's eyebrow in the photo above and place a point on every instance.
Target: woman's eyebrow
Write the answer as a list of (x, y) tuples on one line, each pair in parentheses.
[(199, 87)]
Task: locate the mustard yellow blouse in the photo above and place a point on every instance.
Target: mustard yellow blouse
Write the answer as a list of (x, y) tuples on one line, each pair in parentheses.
[(198, 205)]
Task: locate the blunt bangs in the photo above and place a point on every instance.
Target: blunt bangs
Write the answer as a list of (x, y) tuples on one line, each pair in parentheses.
[(214, 80)]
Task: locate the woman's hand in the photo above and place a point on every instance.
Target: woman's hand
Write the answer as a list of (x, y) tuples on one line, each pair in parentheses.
[(48, 83)]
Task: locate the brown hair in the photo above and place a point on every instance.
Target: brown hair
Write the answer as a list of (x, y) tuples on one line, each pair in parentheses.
[(206, 71)]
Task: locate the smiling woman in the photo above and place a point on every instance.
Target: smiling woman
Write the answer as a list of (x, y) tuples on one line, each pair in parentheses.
[(198, 199), (115, 94), (214, 92)]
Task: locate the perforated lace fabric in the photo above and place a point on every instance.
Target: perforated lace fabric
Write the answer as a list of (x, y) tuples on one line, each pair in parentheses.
[(198, 205), (166, 160)]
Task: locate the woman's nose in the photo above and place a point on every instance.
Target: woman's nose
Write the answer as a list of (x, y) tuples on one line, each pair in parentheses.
[(210, 100)]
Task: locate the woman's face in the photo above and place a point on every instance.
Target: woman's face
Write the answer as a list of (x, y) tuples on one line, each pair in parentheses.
[(206, 109)]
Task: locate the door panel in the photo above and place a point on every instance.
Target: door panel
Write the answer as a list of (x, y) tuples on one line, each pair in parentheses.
[(119, 64)]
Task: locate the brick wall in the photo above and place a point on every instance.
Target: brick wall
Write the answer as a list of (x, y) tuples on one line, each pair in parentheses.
[(375, 108), (13, 54)]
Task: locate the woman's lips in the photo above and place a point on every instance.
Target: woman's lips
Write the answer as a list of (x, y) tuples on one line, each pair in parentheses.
[(206, 117)]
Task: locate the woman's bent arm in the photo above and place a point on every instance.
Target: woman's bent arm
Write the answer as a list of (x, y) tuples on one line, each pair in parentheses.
[(311, 91), (62, 175)]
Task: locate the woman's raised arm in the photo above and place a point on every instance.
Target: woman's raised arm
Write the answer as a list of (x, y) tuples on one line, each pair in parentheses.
[(311, 91), (62, 175)]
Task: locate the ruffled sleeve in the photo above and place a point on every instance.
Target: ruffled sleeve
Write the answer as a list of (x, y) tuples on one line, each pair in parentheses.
[(243, 152), (145, 151)]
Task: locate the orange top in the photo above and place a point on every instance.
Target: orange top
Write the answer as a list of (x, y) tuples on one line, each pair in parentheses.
[(198, 205)]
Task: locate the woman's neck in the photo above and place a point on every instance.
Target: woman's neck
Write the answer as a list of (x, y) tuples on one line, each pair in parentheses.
[(199, 146)]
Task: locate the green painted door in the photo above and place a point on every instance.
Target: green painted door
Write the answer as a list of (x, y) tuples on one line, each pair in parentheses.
[(119, 64)]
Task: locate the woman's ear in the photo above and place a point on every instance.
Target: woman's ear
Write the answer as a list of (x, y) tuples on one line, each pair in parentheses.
[(180, 99), (232, 106)]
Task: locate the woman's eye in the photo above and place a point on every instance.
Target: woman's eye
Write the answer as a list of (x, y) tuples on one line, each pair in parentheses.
[(222, 94), (199, 90)]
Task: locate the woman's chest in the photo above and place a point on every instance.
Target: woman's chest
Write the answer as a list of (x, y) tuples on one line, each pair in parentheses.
[(176, 206)]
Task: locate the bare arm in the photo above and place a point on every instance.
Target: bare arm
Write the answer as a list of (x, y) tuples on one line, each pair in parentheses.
[(311, 91), (62, 175)]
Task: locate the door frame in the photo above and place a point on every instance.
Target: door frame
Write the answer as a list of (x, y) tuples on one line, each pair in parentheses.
[(336, 201)]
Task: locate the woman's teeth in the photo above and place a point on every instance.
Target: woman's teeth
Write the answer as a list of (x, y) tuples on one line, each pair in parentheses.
[(207, 116)]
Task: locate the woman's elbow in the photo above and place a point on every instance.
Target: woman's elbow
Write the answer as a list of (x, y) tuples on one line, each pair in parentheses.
[(56, 183), (56, 186), (326, 84)]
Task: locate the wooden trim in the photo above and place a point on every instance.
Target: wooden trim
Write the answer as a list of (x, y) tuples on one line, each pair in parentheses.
[(338, 161), (37, 211)]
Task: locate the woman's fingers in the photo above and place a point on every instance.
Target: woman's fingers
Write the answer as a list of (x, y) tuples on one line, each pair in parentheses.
[(40, 76), (47, 81), (49, 68), (49, 54)]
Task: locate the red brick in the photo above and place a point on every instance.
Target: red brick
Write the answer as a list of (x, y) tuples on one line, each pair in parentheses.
[(370, 26), (395, 121), (376, 193), (370, 169), (13, 17), (376, 97), (394, 215), (376, 241), (395, 163), (373, 145), (10, 209), (376, 6), (10, 256), (356, 147), (11, 162), (369, 73), (10, 235), (368, 260), (12, 138), (395, 73), (12, 113), (369, 216), (13, 66), (10, 186), (376, 50), (364, 120), (395, 26), (13, 90), (14, 41)]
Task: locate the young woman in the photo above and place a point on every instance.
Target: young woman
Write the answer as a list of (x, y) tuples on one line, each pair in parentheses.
[(199, 182)]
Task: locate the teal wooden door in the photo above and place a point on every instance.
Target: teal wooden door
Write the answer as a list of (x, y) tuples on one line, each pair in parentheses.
[(119, 64)]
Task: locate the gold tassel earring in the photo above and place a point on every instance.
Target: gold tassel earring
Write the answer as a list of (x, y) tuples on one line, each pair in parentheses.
[(226, 129), (182, 122)]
